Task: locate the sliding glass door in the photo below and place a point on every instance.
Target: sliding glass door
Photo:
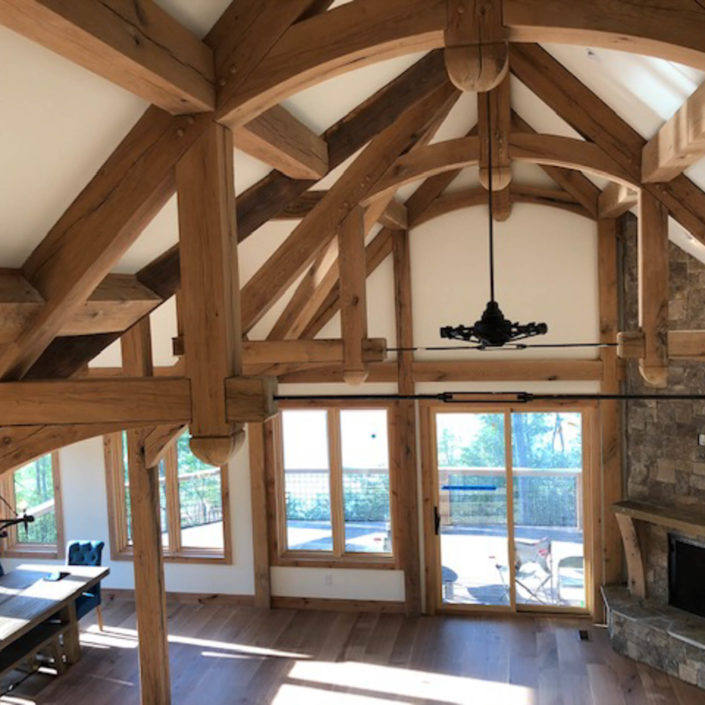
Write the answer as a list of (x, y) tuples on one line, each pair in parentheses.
[(510, 483)]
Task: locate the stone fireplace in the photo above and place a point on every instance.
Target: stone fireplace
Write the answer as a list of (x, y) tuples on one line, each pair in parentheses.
[(665, 469)]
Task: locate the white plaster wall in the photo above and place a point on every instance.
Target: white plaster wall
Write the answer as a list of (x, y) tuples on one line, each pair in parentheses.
[(340, 584)]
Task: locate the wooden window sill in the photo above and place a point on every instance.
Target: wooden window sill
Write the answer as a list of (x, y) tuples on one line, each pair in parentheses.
[(43, 552), (185, 557), (296, 560)]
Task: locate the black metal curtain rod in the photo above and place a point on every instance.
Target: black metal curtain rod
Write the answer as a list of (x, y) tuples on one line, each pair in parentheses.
[(493, 397)]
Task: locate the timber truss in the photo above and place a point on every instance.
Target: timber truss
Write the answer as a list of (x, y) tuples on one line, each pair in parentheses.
[(63, 307)]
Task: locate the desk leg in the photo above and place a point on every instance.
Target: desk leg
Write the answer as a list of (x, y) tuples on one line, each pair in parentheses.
[(72, 645)]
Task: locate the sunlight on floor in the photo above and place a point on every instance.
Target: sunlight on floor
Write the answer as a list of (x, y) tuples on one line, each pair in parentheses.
[(127, 638), (418, 686)]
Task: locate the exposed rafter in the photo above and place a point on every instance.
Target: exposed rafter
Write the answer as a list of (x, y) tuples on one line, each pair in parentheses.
[(136, 45), (318, 228), (277, 138), (596, 121), (323, 275)]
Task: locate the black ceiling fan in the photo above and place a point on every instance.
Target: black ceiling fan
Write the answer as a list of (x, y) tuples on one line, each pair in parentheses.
[(494, 330)]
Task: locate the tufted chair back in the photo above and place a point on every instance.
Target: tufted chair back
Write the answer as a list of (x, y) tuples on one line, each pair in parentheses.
[(87, 553), (84, 553)]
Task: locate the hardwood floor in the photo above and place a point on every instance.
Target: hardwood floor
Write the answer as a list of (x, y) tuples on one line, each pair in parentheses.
[(227, 655)]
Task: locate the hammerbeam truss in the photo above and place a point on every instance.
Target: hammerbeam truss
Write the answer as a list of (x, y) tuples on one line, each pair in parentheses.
[(71, 264)]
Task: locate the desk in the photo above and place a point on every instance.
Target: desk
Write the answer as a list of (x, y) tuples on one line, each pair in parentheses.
[(27, 601)]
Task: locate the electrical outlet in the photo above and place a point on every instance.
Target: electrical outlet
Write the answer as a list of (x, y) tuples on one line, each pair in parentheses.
[(701, 439), (328, 580)]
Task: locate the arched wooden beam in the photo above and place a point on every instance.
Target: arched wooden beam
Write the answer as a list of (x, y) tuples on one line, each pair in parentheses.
[(20, 445), (472, 197), (669, 30), (364, 32), (463, 152)]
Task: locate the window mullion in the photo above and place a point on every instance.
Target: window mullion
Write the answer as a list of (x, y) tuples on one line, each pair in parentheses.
[(336, 482)]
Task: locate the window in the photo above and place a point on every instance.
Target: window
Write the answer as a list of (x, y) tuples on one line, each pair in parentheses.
[(193, 504), (34, 488), (331, 469)]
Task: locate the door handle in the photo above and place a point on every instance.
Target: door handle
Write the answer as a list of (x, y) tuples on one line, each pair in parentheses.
[(436, 521)]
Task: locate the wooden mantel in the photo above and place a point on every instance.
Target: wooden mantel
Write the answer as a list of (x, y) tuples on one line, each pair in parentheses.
[(688, 520)]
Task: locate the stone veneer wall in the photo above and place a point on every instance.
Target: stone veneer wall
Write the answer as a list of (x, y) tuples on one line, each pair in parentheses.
[(664, 463)]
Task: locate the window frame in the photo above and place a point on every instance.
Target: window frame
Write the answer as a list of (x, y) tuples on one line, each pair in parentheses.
[(280, 554), (591, 503), (11, 546), (120, 547)]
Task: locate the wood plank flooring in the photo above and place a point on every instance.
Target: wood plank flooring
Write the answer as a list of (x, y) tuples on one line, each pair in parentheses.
[(241, 655)]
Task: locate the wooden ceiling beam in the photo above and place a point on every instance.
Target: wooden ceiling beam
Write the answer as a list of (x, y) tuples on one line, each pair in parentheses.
[(678, 144), (126, 401), (494, 121), (319, 227), (353, 296), (118, 302), (138, 46), (596, 121), (244, 36), (462, 152), (323, 275), (464, 371), (671, 30), (682, 345), (113, 209), (393, 216), (575, 183), (105, 219), (519, 193), (20, 445), (64, 356), (367, 31), (147, 401), (271, 195), (279, 139), (616, 199), (379, 248), (270, 352), (328, 44)]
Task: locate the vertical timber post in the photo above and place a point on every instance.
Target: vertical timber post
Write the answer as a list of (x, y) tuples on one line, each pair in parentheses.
[(210, 292), (406, 425), (150, 596)]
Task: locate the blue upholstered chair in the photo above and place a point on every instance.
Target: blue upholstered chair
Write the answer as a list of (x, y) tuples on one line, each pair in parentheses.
[(87, 553)]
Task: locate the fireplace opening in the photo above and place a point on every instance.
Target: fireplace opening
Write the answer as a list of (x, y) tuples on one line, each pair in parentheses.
[(686, 574)]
